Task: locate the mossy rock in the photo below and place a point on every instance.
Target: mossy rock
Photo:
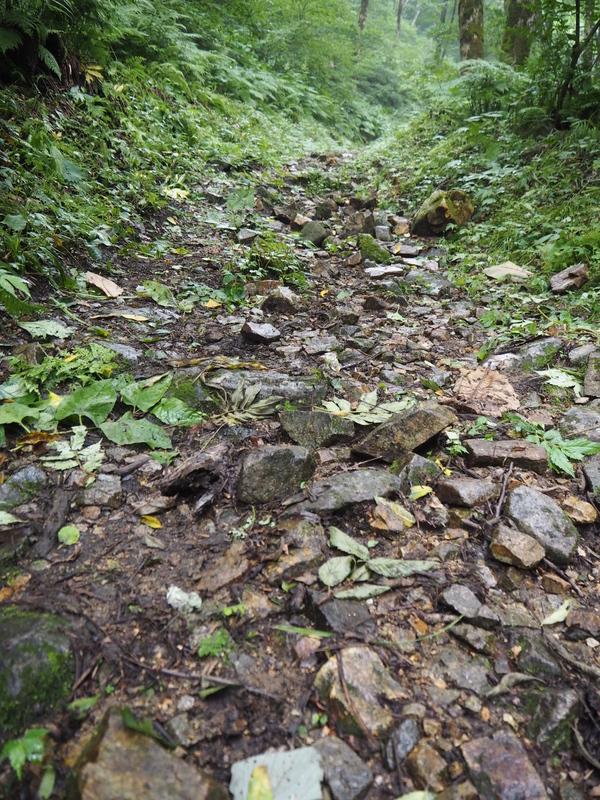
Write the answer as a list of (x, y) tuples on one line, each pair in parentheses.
[(187, 387), (439, 210), (36, 667), (370, 249)]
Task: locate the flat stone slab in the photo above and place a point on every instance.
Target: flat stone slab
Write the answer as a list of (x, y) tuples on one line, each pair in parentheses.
[(347, 775), (543, 519), (501, 770), (582, 421), (467, 492), (295, 773), (314, 429), (486, 453), (273, 472), (347, 488), (514, 547)]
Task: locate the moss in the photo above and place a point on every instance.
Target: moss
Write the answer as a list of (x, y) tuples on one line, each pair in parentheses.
[(370, 249), (188, 389), (36, 667)]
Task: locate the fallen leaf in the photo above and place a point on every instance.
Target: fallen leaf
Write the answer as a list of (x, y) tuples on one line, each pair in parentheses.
[(212, 304), (110, 288), (151, 522), (507, 270), (417, 492), (484, 391), (559, 615), (260, 785)]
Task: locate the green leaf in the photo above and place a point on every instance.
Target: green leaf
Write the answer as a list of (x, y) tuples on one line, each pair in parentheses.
[(94, 401), (165, 456), (34, 742), (161, 294), (143, 396), (398, 568), (48, 327), (47, 783), (363, 592), (8, 519), (128, 430), (336, 570), (83, 705), (559, 461), (16, 222), (303, 631), (69, 535), (259, 787), (341, 541), (14, 750), (15, 413), (144, 726), (172, 411)]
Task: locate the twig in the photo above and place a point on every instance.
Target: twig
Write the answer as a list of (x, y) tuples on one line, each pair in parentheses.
[(547, 563), (197, 676), (371, 739), (502, 494)]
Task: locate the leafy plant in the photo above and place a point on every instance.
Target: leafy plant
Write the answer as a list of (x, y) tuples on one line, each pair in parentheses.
[(31, 748), (561, 452), (217, 645), (454, 444), (367, 411), (243, 406), (73, 453)]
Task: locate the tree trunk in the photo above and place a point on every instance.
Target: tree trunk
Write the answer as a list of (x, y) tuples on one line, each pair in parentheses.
[(416, 17), (470, 29), (399, 17), (362, 15), (521, 17)]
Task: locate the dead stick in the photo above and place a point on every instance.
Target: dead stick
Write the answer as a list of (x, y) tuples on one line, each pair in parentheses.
[(196, 676), (547, 563), (503, 492)]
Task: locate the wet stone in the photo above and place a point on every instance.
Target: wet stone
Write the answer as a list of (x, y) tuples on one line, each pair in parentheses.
[(347, 776), (486, 453), (368, 683), (105, 491), (401, 742), (344, 616), (581, 421), (315, 429), (518, 549), (467, 492), (273, 472), (427, 768), (348, 488), (501, 770), (120, 762), (22, 484), (406, 431), (542, 518), (260, 333)]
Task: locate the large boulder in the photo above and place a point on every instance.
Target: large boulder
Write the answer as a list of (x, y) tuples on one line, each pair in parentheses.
[(440, 209)]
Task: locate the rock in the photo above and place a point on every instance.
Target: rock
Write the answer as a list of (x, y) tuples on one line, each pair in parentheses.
[(486, 453), (305, 542), (347, 488), (401, 225), (347, 776), (247, 235), (536, 658), (314, 429), (298, 390), (371, 250), (314, 232), (542, 518), (36, 666), (553, 584), (325, 209), (569, 278), (501, 770), (581, 621), (417, 472), (127, 352), (298, 222), (580, 354), (382, 233), (260, 333), (401, 742), (359, 222), (552, 720), (320, 344), (478, 639), (591, 470), (427, 768), (439, 209), (465, 602), (406, 431), (579, 511), (368, 682), (343, 616), (467, 492), (428, 284), (460, 791), (228, 568), (591, 382), (517, 615), (294, 773), (462, 669), (538, 354), (120, 762), (281, 301), (106, 490), (22, 484), (582, 421), (273, 472), (514, 547)]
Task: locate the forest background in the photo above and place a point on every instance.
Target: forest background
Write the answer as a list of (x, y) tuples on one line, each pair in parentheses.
[(111, 111)]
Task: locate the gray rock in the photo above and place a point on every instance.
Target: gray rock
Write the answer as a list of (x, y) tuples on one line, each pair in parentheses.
[(120, 762), (581, 421), (314, 429), (591, 470), (282, 301), (127, 352), (359, 222), (344, 616), (406, 431), (382, 232), (427, 767), (294, 773), (106, 490), (517, 615), (347, 776), (417, 472), (247, 235), (536, 658), (321, 344), (591, 382), (36, 666), (501, 770), (514, 547), (538, 354), (569, 278), (542, 518), (462, 669), (22, 484), (478, 639), (428, 283), (580, 354), (347, 488), (305, 544), (273, 472), (465, 602), (401, 742), (260, 333), (298, 390), (467, 492), (486, 453), (314, 232)]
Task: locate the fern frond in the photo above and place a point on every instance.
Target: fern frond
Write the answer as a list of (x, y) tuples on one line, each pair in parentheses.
[(15, 307), (10, 39), (48, 60)]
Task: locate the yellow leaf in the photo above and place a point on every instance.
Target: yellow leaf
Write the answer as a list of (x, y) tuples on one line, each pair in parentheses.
[(151, 522), (110, 288), (212, 304), (447, 472), (70, 358), (120, 87), (172, 220), (57, 241), (420, 491), (54, 399), (406, 517), (259, 787), (324, 292)]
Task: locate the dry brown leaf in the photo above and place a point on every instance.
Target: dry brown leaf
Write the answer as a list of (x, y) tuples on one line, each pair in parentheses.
[(110, 288), (487, 392)]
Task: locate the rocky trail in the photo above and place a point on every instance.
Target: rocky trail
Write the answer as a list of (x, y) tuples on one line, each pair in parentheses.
[(287, 522)]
